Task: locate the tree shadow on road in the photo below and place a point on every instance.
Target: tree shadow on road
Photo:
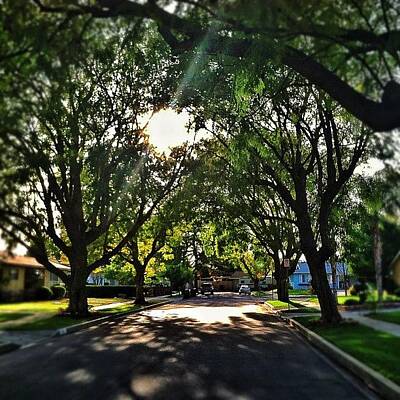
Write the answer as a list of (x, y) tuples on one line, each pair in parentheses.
[(158, 357)]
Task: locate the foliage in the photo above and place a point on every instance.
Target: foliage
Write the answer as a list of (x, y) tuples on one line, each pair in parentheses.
[(58, 292), (352, 302), (43, 293), (374, 200), (75, 154), (178, 274)]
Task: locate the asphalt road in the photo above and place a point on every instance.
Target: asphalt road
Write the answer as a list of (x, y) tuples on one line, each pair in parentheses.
[(223, 347)]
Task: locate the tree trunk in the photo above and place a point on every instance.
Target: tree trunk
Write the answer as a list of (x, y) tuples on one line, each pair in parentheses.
[(334, 277), (140, 298), (329, 310), (282, 288), (378, 261), (78, 304), (256, 284), (281, 278)]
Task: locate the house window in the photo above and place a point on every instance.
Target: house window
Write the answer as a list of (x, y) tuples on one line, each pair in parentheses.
[(304, 278), (14, 274), (242, 281)]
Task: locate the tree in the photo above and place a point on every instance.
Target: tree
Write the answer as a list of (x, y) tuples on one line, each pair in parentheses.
[(75, 158), (350, 50), (258, 209), (372, 228), (305, 149)]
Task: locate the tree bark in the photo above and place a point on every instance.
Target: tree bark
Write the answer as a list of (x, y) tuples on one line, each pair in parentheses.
[(256, 284), (282, 286), (329, 310), (334, 277), (78, 304), (140, 298), (378, 261)]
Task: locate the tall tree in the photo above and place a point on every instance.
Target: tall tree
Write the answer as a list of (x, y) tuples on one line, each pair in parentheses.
[(75, 158), (305, 149)]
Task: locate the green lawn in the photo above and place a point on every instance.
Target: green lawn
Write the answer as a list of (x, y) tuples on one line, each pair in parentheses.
[(294, 306), (372, 298), (48, 310), (297, 292), (52, 306), (122, 308), (10, 316), (390, 316), (378, 350)]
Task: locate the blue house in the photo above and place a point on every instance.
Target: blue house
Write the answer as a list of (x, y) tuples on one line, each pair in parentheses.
[(301, 278)]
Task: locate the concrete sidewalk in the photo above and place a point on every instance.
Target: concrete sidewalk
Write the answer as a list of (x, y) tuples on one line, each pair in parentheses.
[(360, 317)]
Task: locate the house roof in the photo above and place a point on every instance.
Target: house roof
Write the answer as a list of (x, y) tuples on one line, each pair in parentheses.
[(11, 260), (302, 268)]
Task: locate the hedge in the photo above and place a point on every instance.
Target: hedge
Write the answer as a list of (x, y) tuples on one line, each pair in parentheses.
[(110, 291)]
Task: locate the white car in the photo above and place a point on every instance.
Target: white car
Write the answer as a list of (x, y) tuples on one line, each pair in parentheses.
[(245, 289)]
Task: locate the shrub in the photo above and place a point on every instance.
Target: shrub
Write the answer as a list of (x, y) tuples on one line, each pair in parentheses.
[(351, 302), (110, 291), (361, 290), (353, 291), (58, 291), (397, 292), (43, 293), (363, 297)]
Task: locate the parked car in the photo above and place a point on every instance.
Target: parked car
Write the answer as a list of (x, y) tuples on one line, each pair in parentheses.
[(245, 289), (207, 287)]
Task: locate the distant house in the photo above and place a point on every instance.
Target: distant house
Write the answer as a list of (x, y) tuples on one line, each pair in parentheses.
[(232, 283), (301, 278), (21, 275), (99, 279)]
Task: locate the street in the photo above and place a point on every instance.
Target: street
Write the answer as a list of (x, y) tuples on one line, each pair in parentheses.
[(221, 347)]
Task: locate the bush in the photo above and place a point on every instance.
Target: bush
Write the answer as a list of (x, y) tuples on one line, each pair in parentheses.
[(351, 302), (353, 291), (361, 290), (58, 291), (110, 291), (397, 292), (43, 293)]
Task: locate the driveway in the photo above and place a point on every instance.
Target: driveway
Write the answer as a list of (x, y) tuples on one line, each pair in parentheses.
[(222, 347)]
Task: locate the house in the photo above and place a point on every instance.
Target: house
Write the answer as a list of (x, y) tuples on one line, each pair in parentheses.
[(20, 276), (96, 278), (301, 278), (232, 283), (241, 278)]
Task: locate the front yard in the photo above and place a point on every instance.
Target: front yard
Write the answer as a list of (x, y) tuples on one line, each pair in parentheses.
[(45, 315), (389, 316), (292, 306), (379, 350)]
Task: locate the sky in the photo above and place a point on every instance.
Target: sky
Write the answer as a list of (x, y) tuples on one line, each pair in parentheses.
[(168, 129)]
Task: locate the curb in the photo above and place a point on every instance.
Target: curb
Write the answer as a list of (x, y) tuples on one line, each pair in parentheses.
[(7, 347), (98, 321), (383, 386)]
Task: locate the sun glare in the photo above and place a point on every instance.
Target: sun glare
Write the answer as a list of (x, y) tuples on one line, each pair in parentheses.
[(168, 129)]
